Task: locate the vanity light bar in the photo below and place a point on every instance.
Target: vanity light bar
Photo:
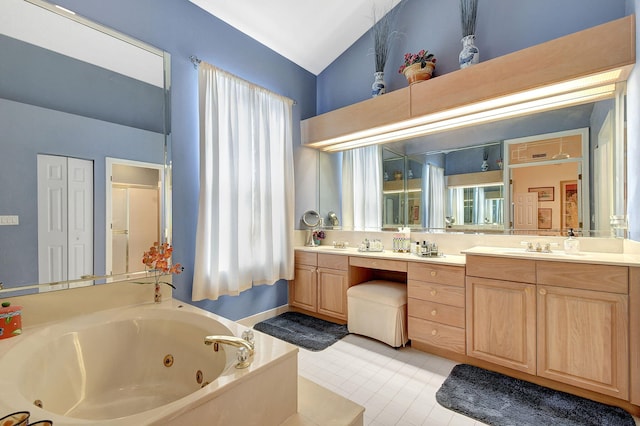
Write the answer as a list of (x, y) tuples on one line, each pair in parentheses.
[(573, 92)]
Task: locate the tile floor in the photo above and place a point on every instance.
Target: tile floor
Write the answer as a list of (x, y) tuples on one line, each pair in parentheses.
[(396, 387)]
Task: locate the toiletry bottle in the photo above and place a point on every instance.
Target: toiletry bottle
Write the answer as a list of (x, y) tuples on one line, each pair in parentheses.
[(571, 245)]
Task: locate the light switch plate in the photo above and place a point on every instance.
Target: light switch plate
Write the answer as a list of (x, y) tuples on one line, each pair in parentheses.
[(9, 220)]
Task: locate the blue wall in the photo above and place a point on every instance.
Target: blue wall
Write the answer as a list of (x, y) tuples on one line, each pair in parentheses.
[(182, 29)]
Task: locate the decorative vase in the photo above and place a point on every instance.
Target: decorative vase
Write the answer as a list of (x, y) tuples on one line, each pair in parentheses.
[(416, 72), (470, 54), (485, 166), (379, 86)]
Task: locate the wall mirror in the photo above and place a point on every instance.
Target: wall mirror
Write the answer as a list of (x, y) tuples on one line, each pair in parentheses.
[(85, 136), (472, 153)]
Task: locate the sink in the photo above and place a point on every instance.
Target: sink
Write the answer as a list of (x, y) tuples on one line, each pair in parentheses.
[(332, 248), (524, 252)]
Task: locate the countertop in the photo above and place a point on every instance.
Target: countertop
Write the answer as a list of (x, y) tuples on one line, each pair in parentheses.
[(617, 259), (447, 259)]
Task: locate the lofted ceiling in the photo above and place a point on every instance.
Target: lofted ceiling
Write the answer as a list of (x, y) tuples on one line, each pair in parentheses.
[(310, 34)]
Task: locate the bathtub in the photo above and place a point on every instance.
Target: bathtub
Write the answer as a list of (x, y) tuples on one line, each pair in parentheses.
[(142, 365)]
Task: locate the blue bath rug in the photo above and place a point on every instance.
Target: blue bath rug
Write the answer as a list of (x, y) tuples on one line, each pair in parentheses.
[(303, 330), (499, 400)]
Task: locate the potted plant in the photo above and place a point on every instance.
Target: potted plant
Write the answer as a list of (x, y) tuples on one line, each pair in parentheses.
[(470, 54), (382, 36), (418, 66)]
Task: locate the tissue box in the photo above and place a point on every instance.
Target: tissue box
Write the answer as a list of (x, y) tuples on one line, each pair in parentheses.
[(10, 321)]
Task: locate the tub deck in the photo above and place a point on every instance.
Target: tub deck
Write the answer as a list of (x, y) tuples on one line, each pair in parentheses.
[(319, 406)]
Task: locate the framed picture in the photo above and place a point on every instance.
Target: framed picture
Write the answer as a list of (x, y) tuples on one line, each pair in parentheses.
[(545, 193), (569, 204), (544, 218)]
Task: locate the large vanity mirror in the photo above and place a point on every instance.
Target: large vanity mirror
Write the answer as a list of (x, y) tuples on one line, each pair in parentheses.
[(475, 179), (85, 131)]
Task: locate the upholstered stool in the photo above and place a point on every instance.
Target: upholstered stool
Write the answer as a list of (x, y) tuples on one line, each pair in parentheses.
[(378, 309)]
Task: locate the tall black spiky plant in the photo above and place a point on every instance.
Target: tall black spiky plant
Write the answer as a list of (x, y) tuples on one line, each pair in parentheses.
[(383, 35), (468, 13)]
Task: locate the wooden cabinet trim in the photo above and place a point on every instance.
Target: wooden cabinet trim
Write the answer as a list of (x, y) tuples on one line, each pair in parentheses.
[(305, 258), (561, 313), (436, 312), (634, 334), (332, 292), (588, 276), (501, 322), (439, 293), (373, 263), (436, 334), (502, 268), (303, 289), (441, 274), (333, 261)]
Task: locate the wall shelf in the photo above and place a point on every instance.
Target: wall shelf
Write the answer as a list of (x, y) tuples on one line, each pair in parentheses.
[(523, 73)]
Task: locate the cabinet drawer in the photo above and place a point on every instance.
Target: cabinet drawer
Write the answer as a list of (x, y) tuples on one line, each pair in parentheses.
[(439, 293), (384, 264), (609, 278), (333, 261), (439, 335), (441, 274), (502, 268), (306, 258), (436, 312)]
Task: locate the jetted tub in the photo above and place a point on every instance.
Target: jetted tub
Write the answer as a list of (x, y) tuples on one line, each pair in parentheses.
[(145, 364)]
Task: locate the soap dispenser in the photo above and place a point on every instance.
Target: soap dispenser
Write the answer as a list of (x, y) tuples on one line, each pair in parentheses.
[(571, 244)]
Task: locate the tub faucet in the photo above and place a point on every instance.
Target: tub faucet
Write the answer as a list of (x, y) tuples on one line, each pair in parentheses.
[(245, 352)]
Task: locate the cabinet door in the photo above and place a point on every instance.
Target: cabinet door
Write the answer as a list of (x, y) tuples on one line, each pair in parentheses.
[(303, 289), (501, 322), (332, 293), (583, 340)]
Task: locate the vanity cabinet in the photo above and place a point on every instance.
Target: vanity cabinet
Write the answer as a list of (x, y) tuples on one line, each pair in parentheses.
[(436, 305), (320, 284), (583, 326), (634, 335), (564, 321), (303, 289), (501, 311), (333, 282)]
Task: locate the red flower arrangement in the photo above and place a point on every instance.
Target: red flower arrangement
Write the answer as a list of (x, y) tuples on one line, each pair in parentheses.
[(158, 261)]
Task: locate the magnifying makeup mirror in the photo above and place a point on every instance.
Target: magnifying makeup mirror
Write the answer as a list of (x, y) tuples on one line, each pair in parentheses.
[(310, 219)]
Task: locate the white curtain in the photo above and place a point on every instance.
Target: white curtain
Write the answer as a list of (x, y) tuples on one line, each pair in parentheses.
[(246, 206), (478, 211), (362, 188), (433, 188)]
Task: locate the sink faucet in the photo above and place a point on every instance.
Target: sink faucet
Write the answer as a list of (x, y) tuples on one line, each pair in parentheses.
[(539, 247), (245, 345)]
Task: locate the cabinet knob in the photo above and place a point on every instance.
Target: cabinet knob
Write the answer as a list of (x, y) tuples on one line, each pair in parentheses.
[(434, 273), (543, 291), (434, 332), (434, 292), (434, 313)]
